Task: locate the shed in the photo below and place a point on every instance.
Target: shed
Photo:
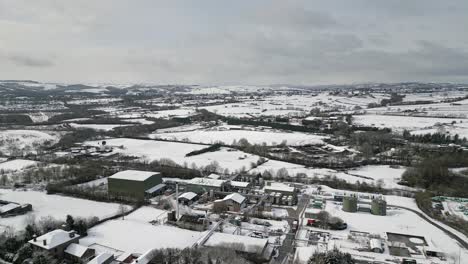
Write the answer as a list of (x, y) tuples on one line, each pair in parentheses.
[(187, 198), (103, 258), (376, 245), (79, 253)]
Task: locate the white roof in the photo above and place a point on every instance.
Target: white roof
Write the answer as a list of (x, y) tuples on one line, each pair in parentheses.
[(9, 207), (206, 182), (133, 175), (279, 187), (214, 176), (249, 244), (235, 197), (240, 184), (53, 239), (101, 258), (188, 195), (76, 250), (145, 258)]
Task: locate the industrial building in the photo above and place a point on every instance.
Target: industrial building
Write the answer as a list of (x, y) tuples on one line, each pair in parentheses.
[(133, 183)]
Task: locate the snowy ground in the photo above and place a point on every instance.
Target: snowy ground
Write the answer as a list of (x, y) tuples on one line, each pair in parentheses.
[(387, 175), (151, 150), (213, 135), (103, 127), (55, 206), (400, 123), (25, 141), (17, 164), (397, 221), (273, 166), (135, 234)]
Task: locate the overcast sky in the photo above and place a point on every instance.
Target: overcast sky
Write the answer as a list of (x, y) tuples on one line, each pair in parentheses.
[(234, 42)]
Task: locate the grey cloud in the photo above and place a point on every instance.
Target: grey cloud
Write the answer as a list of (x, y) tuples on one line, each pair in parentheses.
[(29, 61)]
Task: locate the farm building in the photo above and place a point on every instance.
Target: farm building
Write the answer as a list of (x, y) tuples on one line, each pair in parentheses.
[(10, 209), (187, 198), (133, 183), (202, 185), (55, 242), (235, 202)]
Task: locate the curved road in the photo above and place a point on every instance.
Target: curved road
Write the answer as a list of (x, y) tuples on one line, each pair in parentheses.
[(448, 232)]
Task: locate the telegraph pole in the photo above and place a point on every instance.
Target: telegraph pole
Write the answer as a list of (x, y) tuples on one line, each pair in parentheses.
[(177, 201)]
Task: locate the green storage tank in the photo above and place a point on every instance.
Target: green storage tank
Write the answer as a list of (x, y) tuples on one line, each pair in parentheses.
[(379, 207), (350, 204)]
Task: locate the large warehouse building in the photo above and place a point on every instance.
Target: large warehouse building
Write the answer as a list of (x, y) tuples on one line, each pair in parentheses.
[(133, 183)]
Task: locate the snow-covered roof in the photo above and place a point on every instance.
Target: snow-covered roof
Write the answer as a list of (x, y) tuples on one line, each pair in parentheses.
[(145, 258), (238, 243), (188, 195), (133, 175), (155, 188), (240, 184), (76, 250), (101, 258), (214, 176), (206, 182), (235, 197), (9, 207), (279, 187), (54, 238)]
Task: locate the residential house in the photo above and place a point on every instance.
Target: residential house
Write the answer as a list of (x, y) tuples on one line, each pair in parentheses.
[(55, 242)]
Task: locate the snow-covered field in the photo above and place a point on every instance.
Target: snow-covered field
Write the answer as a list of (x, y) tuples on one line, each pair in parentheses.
[(273, 166), (25, 141), (151, 150), (134, 234), (17, 164), (400, 123), (55, 206), (210, 136), (103, 127), (387, 175)]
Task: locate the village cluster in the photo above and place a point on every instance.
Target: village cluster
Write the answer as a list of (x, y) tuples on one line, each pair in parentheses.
[(275, 174)]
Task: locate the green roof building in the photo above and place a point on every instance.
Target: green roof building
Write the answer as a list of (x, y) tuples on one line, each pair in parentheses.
[(133, 183)]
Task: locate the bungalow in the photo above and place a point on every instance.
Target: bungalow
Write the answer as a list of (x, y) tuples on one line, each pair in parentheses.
[(55, 242), (235, 202), (78, 253)]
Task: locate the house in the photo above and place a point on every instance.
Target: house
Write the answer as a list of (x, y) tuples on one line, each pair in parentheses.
[(103, 258), (187, 198), (55, 242), (235, 202), (133, 184), (78, 253)]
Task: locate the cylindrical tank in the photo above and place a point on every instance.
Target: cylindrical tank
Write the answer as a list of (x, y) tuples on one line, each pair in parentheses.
[(350, 204), (379, 207)]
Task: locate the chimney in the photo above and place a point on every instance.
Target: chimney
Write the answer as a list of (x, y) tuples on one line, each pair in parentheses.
[(34, 238), (72, 234), (44, 242)]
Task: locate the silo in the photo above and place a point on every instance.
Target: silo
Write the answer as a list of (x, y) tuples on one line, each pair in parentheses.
[(350, 204), (379, 207)]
